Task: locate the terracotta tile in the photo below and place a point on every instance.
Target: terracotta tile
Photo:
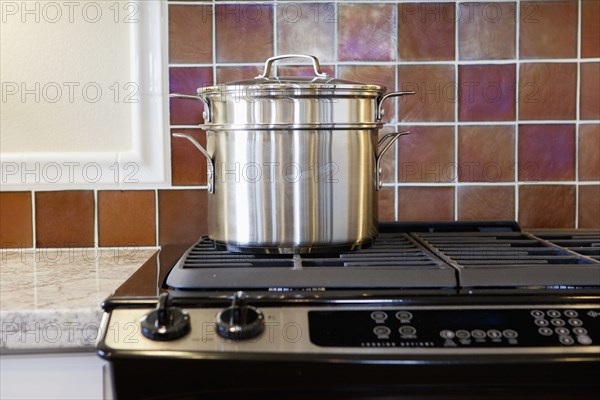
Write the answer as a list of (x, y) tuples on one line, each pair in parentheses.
[(486, 203), (386, 204), (244, 32), (486, 153), (233, 74), (426, 31), (374, 74), (548, 29), (547, 206), (487, 31), (182, 217), (425, 203), (486, 92), (589, 206), (126, 218), (306, 28), (590, 91), (434, 98), (590, 28), (15, 220), (388, 162), (366, 32), (190, 30), (303, 70), (546, 152), (187, 81), (188, 164), (589, 152), (64, 219), (547, 91), (427, 154)]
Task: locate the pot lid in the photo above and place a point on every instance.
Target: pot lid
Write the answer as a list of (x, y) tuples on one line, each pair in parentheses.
[(321, 83)]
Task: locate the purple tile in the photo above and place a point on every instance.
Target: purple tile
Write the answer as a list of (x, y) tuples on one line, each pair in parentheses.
[(187, 81), (486, 92), (546, 152), (244, 32), (295, 19), (366, 32), (426, 31)]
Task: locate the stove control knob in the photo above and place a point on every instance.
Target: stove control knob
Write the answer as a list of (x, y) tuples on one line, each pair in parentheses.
[(239, 321), (165, 322)]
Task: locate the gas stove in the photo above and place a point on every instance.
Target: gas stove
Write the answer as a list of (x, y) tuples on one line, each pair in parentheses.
[(430, 310)]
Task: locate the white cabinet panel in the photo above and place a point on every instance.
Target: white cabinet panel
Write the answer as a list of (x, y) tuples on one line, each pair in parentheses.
[(52, 376)]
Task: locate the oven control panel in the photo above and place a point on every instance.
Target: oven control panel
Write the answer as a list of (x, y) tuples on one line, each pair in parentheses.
[(456, 328)]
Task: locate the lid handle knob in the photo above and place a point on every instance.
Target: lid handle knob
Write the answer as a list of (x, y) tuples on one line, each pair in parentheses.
[(269, 63)]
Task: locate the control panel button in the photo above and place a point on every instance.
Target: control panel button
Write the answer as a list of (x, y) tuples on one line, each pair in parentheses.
[(575, 322), (584, 339), (510, 334), (557, 322), (463, 334), (545, 331), (566, 340), (571, 313), (407, 330), (553, 313), (537, 313), (447, 334), (541, 322), (580, 331), (561, 331), (478, 334), (494, 334), (379, 316), (404, 315), (382, 332)]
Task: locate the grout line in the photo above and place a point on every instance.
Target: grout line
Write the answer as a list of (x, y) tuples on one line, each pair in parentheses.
[(33, 222), (156, 219), (456, 94), (336, 11), (214, 43), (517, 105), (402, 62), (96, 220), (509, 123), (523, 183), (397, 121), (577, 113), (275, 9)]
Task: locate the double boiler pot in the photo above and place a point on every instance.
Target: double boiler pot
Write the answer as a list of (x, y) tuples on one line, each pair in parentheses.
[(293, 162)]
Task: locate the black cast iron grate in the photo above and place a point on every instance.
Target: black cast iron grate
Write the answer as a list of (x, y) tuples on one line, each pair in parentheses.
[(394, 260), (512, 259)]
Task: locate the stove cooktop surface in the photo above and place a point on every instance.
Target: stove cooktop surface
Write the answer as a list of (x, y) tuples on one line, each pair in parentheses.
[(407, 256)]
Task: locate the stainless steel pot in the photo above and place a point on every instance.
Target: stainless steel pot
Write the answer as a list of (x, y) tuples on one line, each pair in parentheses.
[(293, 163)]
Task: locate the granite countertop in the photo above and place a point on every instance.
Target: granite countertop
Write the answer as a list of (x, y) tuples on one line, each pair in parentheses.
[(50, 298)]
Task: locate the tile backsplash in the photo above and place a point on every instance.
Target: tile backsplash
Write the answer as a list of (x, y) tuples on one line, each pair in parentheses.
[(505, 121)]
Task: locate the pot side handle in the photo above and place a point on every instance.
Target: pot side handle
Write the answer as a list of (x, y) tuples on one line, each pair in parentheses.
[(386, 141), (211, 166), (387, 96), (206, 114)]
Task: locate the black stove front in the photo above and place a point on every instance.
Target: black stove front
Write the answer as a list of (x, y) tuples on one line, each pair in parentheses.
[(470, 310)]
